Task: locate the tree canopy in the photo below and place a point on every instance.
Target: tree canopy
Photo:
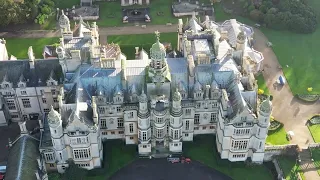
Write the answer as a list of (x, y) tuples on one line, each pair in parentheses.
[(293, 15)]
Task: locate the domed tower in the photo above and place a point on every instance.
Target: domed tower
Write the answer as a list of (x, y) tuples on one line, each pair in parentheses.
[(265, 110), (56, 130), (144, 128), (158, 65), (241, 40), (175, 130)]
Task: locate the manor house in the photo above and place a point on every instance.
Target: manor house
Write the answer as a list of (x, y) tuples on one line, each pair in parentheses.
[(92, 92)]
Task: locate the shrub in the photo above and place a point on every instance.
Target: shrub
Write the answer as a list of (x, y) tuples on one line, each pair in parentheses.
[(309, 97)]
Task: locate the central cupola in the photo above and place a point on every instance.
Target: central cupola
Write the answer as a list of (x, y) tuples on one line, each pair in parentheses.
[(158, 66)]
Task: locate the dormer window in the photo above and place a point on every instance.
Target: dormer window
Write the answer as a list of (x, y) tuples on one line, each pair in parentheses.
[(6, 85), (22, 85)]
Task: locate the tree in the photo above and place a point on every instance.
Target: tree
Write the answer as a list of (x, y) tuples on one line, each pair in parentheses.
[(256, 15), (73, 172)]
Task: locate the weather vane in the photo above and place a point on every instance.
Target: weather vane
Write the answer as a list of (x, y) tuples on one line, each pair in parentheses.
[(157, 34)]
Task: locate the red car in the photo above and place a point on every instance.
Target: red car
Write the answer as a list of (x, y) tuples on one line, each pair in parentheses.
[(185, 160), (1, 176)]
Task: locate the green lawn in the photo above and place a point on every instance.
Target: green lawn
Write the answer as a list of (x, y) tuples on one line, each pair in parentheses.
[(203, 149), (262, 84), (316, 157), (289, 167), (277, 137), (18, 47), (116, 156), (298, 51), (129, 42), (315, 132), (66, 3)]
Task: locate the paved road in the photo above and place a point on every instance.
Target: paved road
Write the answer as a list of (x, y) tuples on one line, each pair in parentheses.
[(160, 169), (103, 31), (287, 109)]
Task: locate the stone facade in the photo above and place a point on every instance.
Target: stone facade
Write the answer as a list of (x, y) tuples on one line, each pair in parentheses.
[(157, 101), (133, 2)]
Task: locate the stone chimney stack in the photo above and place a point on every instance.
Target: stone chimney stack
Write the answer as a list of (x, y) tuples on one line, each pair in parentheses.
[(207, 91), (23, 127), (137, 52), (224, 35)]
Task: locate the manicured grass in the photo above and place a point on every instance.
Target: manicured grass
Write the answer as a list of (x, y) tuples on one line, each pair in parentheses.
[(299, 52), (316, 157), (110, 14), (66, 3), (18, 47), (290, 167), (129, 42), (315, 132), (203, 149), (262, 84), (116, 156), (277, 137)]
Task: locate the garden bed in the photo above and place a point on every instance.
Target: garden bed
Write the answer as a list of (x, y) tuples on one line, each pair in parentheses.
[(308, 97), (315, 119), (274, 125)]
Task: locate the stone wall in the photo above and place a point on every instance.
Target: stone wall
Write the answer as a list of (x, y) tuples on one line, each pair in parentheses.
[(272, 151), (86, 18), (278, 169)]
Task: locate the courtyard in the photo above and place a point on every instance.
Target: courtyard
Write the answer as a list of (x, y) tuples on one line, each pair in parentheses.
[(121, 163)]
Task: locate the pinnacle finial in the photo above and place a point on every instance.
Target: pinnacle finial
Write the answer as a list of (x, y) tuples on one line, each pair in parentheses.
[(51, 108), (62, 12), (157, 33)]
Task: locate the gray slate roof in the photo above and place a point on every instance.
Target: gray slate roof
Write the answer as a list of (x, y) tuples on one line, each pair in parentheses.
[(22, 160), (13, 70)]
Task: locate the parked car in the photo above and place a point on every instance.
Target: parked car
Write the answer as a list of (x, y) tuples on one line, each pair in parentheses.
[(2, 176), (185, 160), (173, 159)]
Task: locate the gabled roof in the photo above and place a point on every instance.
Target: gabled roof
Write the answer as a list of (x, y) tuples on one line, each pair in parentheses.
[(44, 69), (22, 160), (12, 70)]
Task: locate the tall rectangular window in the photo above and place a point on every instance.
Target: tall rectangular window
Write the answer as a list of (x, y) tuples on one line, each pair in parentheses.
[(120, 122), (144, 136), (176, 134), (101, 110), (196, 118), (103, 123), (187, 125), (11, 104), (213, 117), (188, 112), (131, 128), (26, 103), (239, 144), (49, 156), (44, 100), (81, 153), (130, 115)]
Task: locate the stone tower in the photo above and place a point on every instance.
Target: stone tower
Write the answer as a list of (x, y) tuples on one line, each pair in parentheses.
[(175, 130), (56, 130), (158, 69), (241, 40)]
